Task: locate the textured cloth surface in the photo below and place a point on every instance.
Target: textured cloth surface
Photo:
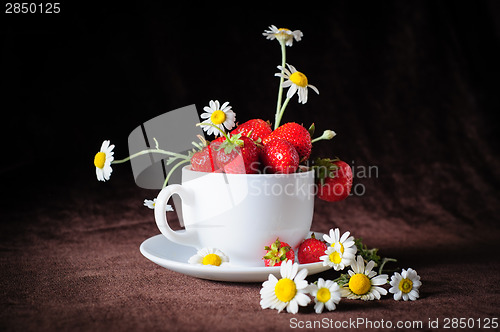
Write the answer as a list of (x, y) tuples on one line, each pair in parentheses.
[(410, 89)]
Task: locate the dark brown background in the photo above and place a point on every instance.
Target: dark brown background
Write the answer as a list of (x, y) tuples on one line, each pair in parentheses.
[(410, 87)]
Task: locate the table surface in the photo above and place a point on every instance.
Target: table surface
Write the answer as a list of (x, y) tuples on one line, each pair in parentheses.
[(72, 261)]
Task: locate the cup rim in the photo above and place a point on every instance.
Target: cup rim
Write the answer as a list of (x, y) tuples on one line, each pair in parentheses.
[(306, 171)]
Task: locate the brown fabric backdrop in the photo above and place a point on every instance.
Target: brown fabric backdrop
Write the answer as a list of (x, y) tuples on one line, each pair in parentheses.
[(410, 88)]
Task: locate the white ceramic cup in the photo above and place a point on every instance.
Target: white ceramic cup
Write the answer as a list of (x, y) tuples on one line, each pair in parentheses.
[(240, 213)]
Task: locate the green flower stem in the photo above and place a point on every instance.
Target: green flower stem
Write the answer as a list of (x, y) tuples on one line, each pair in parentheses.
[(385, 260), (172, 171), (279, 113), (147, 151), (212, 125)]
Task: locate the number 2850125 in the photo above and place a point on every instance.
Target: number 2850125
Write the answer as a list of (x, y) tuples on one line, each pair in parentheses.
[(32, 8)]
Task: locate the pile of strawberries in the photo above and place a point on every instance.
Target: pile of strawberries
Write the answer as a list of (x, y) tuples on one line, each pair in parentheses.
[(254, 148)]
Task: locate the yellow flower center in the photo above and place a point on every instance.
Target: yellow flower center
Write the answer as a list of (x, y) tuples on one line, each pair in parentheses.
[(335, 257), (405, 285), (218, 117), (359, 284), (281, 30), (285, 290), (212, 259), (99, 160), (341, 247), (299, 79), (323, 295)]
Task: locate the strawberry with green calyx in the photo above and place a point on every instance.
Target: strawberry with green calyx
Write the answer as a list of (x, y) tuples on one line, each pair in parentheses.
[(256, 129), (237, 155), (297, 135), (280, 156), (277, 253), (310, 250), (334, 178)]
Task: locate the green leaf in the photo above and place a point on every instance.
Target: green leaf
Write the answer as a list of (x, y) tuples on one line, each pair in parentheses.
[(323, 168), (372, 255), (312, 129)]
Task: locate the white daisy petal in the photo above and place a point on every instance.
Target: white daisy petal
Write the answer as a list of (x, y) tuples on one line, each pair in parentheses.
[(280, 306), (208, 110), (313, 88), (292, 307), (301, 275), (291, 91), (413, 295), (302, 299), (293, 268), (344, 236), (369, 267), (318, 307), (330, 305)]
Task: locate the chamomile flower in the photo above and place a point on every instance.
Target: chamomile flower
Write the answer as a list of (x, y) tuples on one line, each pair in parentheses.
[(209, 256), (283, 35), (364, 283), (405, 285), (151, 204), (342, 250), (326, 293), (333, 257), (288, 292), (296, 81), (102, 161), (217, 115)]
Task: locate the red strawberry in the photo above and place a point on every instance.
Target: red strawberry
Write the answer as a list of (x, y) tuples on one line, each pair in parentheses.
[(238, 156), (335, 179), (277, 253), (203, 160), (218, 141), (295, 134), (279, 156), (255, 129), (310, 250)]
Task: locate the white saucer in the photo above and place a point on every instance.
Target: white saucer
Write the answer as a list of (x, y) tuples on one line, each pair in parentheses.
[(175, 257)]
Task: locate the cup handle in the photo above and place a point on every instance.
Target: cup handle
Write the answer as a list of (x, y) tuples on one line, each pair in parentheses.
[(189, 238)]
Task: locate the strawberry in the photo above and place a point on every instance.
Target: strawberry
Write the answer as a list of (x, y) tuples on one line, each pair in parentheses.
[(279, 156), (277, 253), (203, 160), (255, 129), (335, 179), (310, 250), (295, 134), (218, 141), (239, 155)]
